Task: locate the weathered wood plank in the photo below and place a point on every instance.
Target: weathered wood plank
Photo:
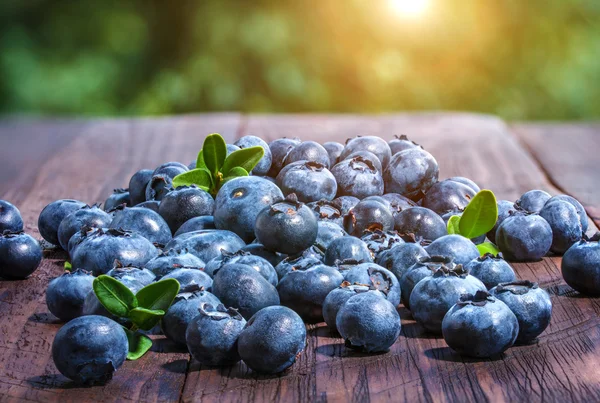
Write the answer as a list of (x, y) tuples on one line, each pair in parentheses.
[(419, 367), (569, 154), (102, 156)]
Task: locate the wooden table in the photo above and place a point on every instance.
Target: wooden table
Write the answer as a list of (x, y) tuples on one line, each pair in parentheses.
[(45, 160)]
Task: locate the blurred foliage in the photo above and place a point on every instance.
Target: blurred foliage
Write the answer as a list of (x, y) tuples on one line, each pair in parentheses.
[(535, 59)]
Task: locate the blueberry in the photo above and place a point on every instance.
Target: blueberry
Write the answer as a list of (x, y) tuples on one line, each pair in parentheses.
[(196, 224), (272, 340), (79, 237), (327, 232), (447, 216), (434, 295), (368, 323), (305, 290), (523, 237), (459, 248), (189, 277), (581, 267), (308, 151), (398, 203), (171, 169), (368, 215), (366, 156), (171, 259), (207, 244), (466, 181), (10, 217), (131, 274), (420, 221), (530, 304), (98, 251), (20, 255), (411, 173), (212, 336), (381, 200), (259, 264), (180, 314), (424, 267), (145, 222), (328, 211), (346, 203), (580, 210), (286, 169), (373, 144), (287, 227), (401, 257), (401, 143), (230, 149), (357, 177), (376, 277), (153, 205), (240, 200), (264, 164), (158, 187), (184, 203), (337, 297), (65, 294), (347, 247), (379, 241), (259, 250), (89, 349), (310, 181), (117, 198), (280, 148), (90, 216), (448, 195), (52, 215), (533, 201), (334, 149), (491, 270), (565, 224), (242, 287), (302, 262), (137, 186), (504, 211), (480, 326)]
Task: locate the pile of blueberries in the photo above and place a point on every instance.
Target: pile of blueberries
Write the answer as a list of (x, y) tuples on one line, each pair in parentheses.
[(335, 233)]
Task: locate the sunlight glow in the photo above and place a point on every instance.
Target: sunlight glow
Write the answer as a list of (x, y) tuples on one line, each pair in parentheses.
[(409, 8)]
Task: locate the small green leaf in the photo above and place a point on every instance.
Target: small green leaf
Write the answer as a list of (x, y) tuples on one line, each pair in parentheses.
[(487, 247), (139, 344), (246, 158), (453, 225), (159, 295), (480, 215), (214, 152), (235, 172), (68, 266), (114, 296), (200, 160), (145, 319), (200, 177)]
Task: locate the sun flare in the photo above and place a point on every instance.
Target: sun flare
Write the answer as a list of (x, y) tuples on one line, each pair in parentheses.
[(409, 8)]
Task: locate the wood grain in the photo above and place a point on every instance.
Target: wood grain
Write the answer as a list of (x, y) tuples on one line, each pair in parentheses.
[(569, 155)]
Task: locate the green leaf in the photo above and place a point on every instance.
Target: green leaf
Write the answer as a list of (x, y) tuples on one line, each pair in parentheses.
[(214, 152), (200, 177), (139, 344), (487, 247), (68, 266), (246, 158), (114, 296), (200, 160), (159, 295), (453, 225), (480, 216), (144, 318), (235, 172)]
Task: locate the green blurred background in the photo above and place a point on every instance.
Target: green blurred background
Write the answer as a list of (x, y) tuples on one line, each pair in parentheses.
[(520, 59)]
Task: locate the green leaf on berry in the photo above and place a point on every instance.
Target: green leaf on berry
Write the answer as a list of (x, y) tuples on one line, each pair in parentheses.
[(453, 225), (200, 177), (200, 160), (159, 295), (235, 172), (214, 152), (145, 319), (139, 344), (114, 296), (488, 247), (68, 266), (246, 158), (480, 215)]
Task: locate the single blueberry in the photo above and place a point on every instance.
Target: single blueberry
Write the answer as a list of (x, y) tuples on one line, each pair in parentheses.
[(264, 164), (401, 257), (398, 203), (259, 250), (366, 156), (327, 232), (137, 186), (170, 169), (158, 187), (10, 217), (377, 278), (466, 181), (565, 224), (480, 326), (145, 222), (533, 201), (131, 273), (20, 255), (90, 216), (66, 294), (401, 143), (206, 244), (459, 248), (327, 210), (259, 264), (530, 304), (347, 247), (346, 203), (196, 224), (373, 144), (368, 323), (411, 173), (504, 211), (357, 177), (379, 241), (491, 270), (337, 297), (117, 198), (583, 218), (334, 149), (424, 267), (368, 215), (52, 215), (448, 195), (79, 237), (302, 262), (184, 203), (420, 221), (272, 340), (171, 259), (580, 267), (523, 237), (308, 151), (89, 349), (310, 181), (280, 148)]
